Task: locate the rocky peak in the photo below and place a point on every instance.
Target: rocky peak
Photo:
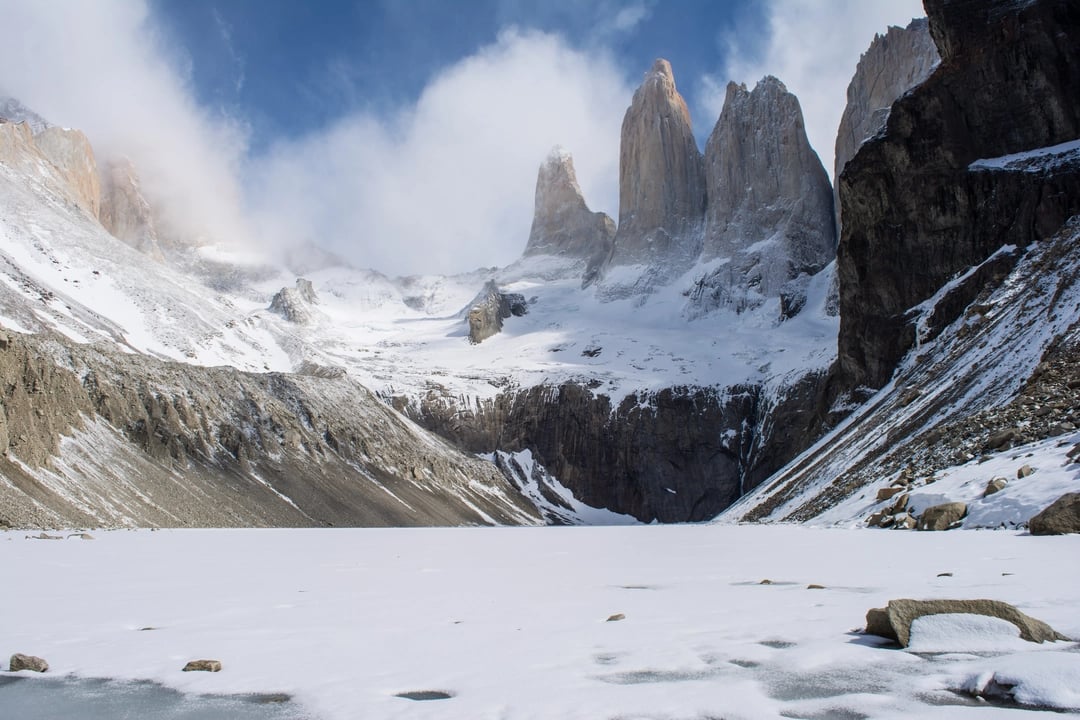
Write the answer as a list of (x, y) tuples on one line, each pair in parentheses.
[(485, 314), (893, 64), (294, 303), (562, 222), (769, 199), (661, 179), (125, 212)]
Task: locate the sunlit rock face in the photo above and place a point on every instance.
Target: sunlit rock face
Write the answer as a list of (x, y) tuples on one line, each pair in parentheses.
[(661, 180)]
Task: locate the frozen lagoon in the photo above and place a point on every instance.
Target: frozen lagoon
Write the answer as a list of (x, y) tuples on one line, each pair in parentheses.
[(513, 622)]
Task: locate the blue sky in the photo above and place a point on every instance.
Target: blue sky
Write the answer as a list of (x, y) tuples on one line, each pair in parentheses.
[(403, 135), (290, 68)]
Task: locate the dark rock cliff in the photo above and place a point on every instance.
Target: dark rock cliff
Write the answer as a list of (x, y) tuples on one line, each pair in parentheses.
[(918, 208), (676, 455)]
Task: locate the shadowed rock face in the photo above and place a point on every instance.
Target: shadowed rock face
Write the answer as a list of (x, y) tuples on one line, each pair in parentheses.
[(485, 314), (893, 64), (562, 222), (917, 207), (661, 178), (769, 199)]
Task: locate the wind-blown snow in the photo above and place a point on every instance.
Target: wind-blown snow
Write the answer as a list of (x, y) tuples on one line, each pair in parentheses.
[(1038, 160), (513, 622)]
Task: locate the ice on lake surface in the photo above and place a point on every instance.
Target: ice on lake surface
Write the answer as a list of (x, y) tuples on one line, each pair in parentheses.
[(33, 698), (513, 623)]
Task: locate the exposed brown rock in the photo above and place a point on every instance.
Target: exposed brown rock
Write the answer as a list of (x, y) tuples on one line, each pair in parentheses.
[(70, 153), (203, 666), (995, 485), (661, 179), (488, 310), (27, 662), (942, 517), (1060, 518), (894, 622)]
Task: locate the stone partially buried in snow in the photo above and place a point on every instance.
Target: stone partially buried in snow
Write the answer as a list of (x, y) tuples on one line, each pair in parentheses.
[(942, 517), (27, 662), (1060, 518), (203, 666), (894, 621)]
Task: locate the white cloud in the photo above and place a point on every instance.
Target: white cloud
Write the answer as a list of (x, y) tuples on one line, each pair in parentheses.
[(102, 68), (813, 48), (447, 184), (628, 17)]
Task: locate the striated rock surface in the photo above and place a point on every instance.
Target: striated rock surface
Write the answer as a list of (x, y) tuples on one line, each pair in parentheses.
[(939, 191), (562, 222), (70, 152), (661, 180), (104, 438), (488, 310), (770, 206), (893, 64), (125, 212)]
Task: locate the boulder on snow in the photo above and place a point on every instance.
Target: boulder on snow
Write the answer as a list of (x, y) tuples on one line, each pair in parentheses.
[(942, 517), (1024, 471), (27, 662), (887, 493), (203, 666), (894, 621), (1060, 518), (995, 485)]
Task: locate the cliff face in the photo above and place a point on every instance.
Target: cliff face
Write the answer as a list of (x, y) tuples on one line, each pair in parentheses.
[(926, 199), (893, 64), (676, 455), (562, 223), (769, 200), (661, 179), (70, 153)]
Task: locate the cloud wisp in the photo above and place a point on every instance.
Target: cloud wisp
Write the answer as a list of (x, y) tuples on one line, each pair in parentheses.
[(448, 183)]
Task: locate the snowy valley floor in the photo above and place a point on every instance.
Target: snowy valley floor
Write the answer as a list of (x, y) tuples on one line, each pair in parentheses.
[(513, 623)]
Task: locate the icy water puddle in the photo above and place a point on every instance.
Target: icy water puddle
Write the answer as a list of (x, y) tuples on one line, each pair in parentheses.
[(96, 699)]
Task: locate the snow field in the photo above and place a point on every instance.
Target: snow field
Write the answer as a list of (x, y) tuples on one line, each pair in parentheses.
[(513, 622)]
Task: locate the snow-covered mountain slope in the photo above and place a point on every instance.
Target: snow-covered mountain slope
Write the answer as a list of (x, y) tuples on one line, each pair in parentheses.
[(997, 389)]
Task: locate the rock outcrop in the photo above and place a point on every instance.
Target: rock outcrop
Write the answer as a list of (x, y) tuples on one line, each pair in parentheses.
[(125, 212), (562, 223), (485, 314), (893, 64), (1061, 517), (20, 662), (295, 303), (938, 191), (661, 180), (14, 111), (770, 206)]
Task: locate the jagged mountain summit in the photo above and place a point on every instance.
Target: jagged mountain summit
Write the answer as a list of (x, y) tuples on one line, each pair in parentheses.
[(769, 209), (562, 223), (661, 181)]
